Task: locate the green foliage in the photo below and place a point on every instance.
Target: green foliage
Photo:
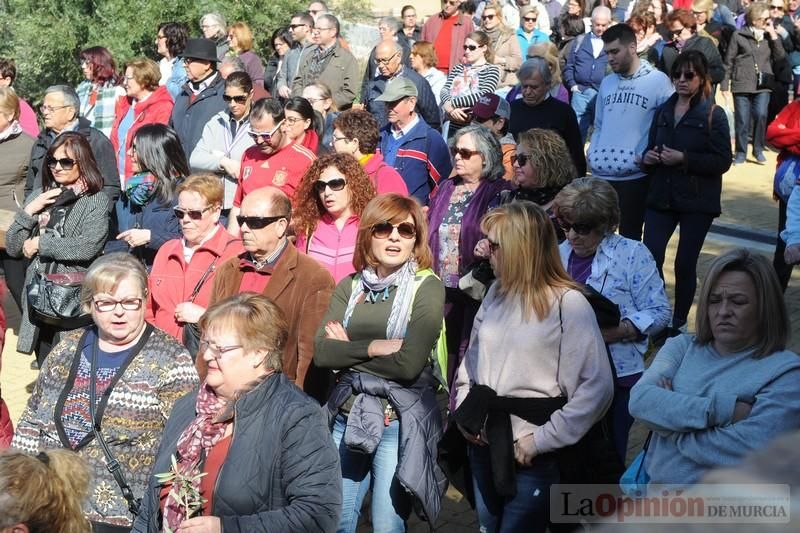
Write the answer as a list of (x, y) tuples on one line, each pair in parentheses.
[(44, 37), (353, 10)]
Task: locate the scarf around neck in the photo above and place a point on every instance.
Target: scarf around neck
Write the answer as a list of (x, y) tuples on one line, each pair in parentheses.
[(140, 187)]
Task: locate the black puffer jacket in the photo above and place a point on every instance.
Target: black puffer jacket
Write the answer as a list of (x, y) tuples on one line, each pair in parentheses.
[(704, 45), (281, 473), (742, 57), (696, 185)]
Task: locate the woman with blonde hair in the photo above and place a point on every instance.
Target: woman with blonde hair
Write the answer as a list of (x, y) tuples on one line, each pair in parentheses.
[(423, 60), (43, 493), (240, 39), (570, 378), (507, 52)]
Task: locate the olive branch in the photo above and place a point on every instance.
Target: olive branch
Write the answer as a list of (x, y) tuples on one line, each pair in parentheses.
[(184, 488)]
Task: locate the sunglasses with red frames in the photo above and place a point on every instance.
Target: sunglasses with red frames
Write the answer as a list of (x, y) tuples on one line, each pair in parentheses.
[(382, 230)]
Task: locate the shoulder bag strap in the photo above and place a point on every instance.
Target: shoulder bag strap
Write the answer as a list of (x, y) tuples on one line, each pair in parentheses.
[(205, 275), (111, 462)]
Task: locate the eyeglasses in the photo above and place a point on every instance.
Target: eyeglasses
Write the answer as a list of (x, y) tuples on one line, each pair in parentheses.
[(530, 19), (465, 153), (493, 246), (129, 304), (677, 31), (194, 214), (65, 162), (293, 120), (580, 229), (336, 184), (215, 349), (335, 139), (318, 29), (687, 75), (293, 26), (265, 136), (258, 222), (471, 47), (239, 98), (521, 159), (487, 17), (779, 8), (383, 230), (50, 109), (386, 60)]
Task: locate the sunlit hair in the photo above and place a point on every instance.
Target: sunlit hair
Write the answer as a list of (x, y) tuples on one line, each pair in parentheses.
[(637, 23), (488, 148), (145, 72), (394, 208), (482, 39), (107, 272), (548, 155), (549, 52), (240, 80), (774, 328), (44, 492), (591, 201), (529, 265), (495, 6), (755, 11), (176, 34), (9, 103), (309, 207), (302, 107), (359, 125), (684, 16), (696, 61), (244, 36), (215, 19), (255, 320), (704, 6), (426, 52), (325, 94), (209, 186), (78, 148), (103, 66)]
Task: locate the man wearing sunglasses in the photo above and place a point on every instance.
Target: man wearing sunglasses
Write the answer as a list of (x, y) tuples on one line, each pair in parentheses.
[(296, 283), (274, 160), (201, 97)]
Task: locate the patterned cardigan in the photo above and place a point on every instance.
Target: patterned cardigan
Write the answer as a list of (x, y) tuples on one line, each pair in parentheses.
[(101, 113), (132, 415)]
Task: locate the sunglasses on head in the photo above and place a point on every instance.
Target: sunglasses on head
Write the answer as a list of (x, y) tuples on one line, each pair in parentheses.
[(336, 184), (194, 214), (465, 153), (580, 229), (257, 222), (686, 75), (239, 99), (65, 162), (383, 230), (471, 47)]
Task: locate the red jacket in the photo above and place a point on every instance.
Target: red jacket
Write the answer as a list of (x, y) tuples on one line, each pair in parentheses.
[(172, 280), (155, 110), (784, 132)]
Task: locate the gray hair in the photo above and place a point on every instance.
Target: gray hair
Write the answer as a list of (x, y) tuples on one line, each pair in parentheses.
[(333, 20), (601, 10), (217, 20), (235, 62), (391, 22), (68, 95), (107, 272), (536, 65), (489, 148)]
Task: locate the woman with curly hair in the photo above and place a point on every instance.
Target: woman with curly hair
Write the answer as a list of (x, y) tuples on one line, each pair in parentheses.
[(329, 202), (100, 90)]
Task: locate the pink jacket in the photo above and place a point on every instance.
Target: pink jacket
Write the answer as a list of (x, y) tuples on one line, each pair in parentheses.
[(172, 280), (331, 248), (27, 119), (384, 177)]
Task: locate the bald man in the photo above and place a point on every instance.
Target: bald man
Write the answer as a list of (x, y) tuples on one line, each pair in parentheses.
[(297, 284), (389, 58)]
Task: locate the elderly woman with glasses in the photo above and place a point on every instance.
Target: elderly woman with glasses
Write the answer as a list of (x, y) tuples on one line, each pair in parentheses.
[(106, 391), (731, 388), (454, 218), (183, 270), (621, 270), (253, 448), (328, 209), (61, 229), (379, 332)]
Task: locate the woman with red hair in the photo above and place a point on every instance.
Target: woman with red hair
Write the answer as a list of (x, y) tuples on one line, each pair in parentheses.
[(100, 90)]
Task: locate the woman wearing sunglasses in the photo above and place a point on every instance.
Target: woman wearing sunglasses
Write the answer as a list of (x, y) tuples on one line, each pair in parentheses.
[(225, 137), (144, 216), (301, 124), (624, 272), (469, 80), (183, 270), (60, 229), (106, 391), (386, 379), (507, 52), (687, 153), (328, 208), (454, 218)]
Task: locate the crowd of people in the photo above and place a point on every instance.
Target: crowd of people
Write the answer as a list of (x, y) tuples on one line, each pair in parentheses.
[(209, 248)]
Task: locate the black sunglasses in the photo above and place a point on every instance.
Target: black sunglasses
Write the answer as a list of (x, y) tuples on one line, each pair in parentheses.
[(687, 75), (470, 47), (521, 159), (336, 184), (239, 99), (65, 162), (580, 229), (382, 230), (258, 222), (194, 214)]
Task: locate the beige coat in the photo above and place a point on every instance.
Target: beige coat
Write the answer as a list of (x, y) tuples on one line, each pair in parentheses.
[(508, 57)]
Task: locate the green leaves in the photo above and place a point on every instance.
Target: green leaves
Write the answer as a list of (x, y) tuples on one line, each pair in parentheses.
[(185, 488)]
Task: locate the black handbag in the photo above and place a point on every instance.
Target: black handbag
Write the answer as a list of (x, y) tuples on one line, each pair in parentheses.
[(55, 299)]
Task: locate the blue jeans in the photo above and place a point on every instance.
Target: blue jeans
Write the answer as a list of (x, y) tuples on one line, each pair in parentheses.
[(390, 504), (528, 510), (583, 103), (747, 106)]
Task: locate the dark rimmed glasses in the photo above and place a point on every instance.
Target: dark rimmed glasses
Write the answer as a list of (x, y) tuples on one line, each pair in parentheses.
[(258, 222), (66, 163)]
